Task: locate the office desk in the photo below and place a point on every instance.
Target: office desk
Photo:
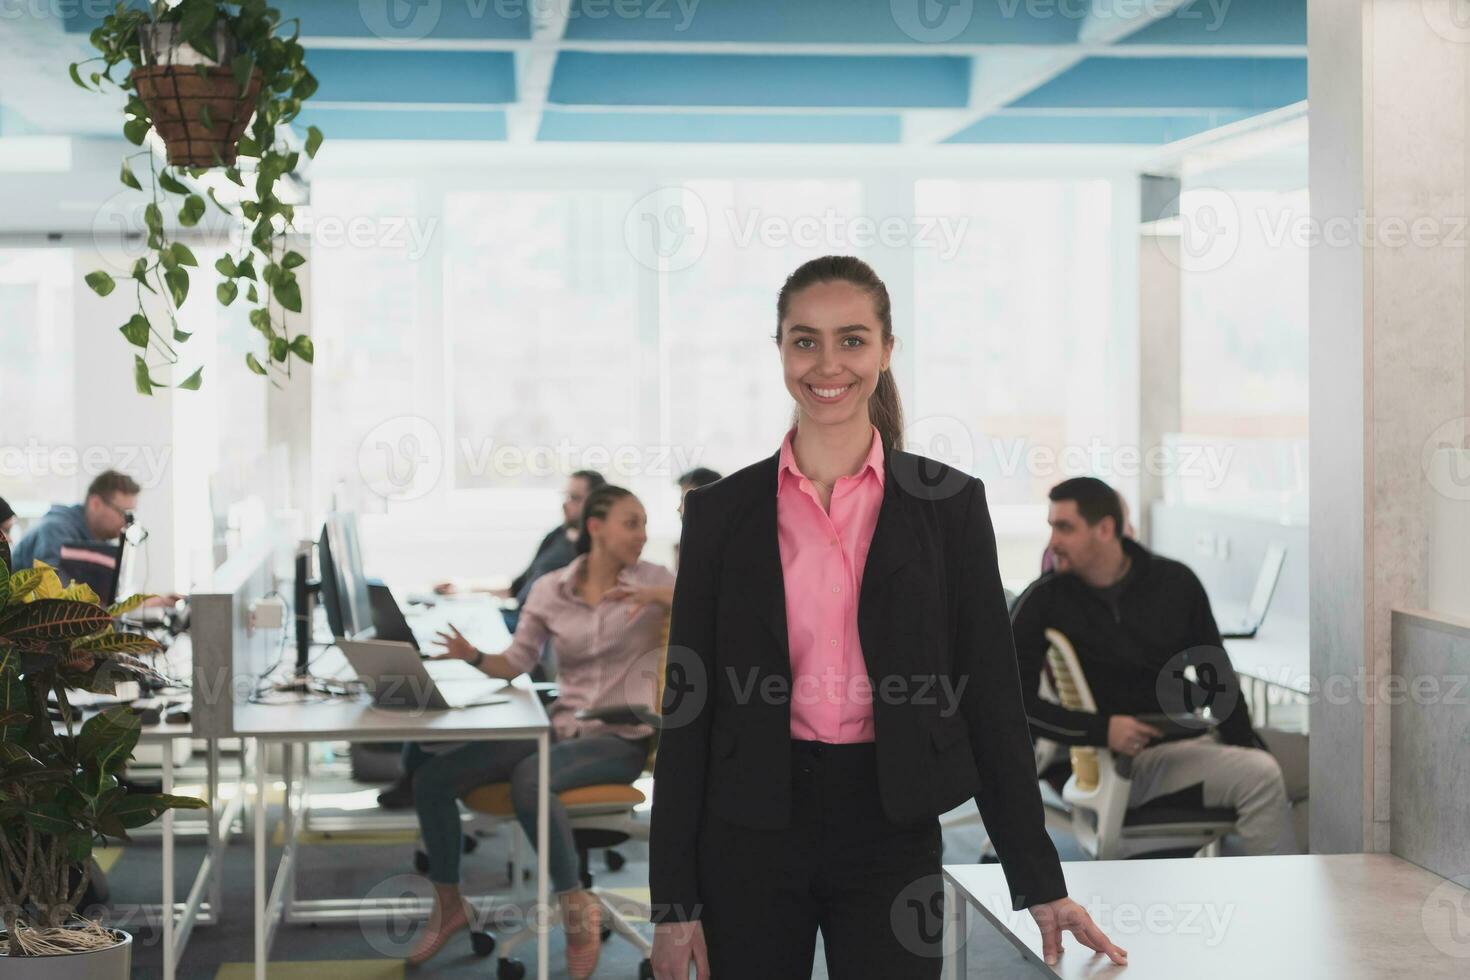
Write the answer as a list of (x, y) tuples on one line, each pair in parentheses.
[(1343, 916), (351, 720)]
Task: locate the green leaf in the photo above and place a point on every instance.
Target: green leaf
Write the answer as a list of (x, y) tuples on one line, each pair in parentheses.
[(177, 280), (292, 259), (313, 137), (118, 642), (140, 809), (129, 178), (52, 620), (279, 348), (226, 266), (77, 77), (141, 381), (303, 348), (153, 218), (233, 173), (180, 335), (101, 283), (140, 274), (47, 818), (136, 330), (135, 130), (206, 118), (192, 382), (288, 294), (241, 66), (246, 268), (192, 211), (253, 364), (226, 292), (250, 210), (171, 183), (247, 147), (251, 294), (107, 738), (182, 255)]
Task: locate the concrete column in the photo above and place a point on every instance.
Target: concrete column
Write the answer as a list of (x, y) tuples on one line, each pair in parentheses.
[(1387, 84)]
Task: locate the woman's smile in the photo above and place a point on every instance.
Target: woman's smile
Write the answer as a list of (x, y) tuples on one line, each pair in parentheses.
[(828, 394)]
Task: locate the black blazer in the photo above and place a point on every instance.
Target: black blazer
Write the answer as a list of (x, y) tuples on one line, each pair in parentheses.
[(931, 613)]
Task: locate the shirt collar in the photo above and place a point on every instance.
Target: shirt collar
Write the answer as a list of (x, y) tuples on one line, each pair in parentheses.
[(787, 462), (573, 568)]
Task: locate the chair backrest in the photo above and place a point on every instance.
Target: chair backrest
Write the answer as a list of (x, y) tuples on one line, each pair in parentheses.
[(1074, 695)]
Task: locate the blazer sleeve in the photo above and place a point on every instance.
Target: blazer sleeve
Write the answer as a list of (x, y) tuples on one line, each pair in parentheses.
[(679, 769), (985, 662)]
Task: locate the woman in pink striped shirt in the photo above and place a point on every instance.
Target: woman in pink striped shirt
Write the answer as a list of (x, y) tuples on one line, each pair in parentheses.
[(604, 615), (841, 671)]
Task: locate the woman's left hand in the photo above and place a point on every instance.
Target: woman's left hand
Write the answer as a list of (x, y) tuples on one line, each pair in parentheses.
[(1065, 914), (643, 595)]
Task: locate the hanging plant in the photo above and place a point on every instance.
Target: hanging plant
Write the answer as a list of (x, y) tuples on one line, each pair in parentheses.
[(217, 82)]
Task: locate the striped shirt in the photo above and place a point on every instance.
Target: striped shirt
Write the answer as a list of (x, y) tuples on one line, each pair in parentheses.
[(604, 656)]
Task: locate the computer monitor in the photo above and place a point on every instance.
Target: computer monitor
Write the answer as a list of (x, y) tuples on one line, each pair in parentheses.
[(331, 593), (344, 556)]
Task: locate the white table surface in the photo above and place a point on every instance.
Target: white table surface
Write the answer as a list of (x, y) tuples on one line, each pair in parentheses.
[(1340, 916), (1279, 654)]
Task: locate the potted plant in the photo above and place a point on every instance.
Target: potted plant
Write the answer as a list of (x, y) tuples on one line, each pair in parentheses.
[(217, 82), (59, 789)]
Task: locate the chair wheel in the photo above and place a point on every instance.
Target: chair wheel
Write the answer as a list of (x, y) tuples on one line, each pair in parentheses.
[(615, 861), (470, 844), (645, 970), (483, 942), (510, 970), (421, 862)]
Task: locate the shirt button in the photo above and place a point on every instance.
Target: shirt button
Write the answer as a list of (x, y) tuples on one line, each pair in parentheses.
[(833, 642), (836, 588)]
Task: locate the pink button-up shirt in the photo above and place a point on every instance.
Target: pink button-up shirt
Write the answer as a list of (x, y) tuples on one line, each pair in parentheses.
[(604, 657), (822, 557)]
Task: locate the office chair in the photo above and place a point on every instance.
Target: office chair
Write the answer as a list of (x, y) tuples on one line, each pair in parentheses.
[(1105, 826), (601, 816)]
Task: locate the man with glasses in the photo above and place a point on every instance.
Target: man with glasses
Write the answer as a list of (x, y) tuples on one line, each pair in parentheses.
[(103, 516)]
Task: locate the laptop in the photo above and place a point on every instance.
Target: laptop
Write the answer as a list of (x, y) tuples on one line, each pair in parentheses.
[(1270, 574), (397, 677)]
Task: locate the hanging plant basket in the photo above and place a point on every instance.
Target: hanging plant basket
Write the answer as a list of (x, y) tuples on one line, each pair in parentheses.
[(199, 113)]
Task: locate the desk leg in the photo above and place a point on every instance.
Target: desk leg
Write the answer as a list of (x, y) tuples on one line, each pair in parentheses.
[(260, 832), (543, 843), (288, 829), (956, 965), (216, 845), (168, 863)]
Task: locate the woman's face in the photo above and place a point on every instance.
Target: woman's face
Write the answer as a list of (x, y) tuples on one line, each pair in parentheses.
[(623, 532), (832, 351)]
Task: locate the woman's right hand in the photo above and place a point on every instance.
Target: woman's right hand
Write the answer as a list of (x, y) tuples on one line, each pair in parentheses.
[(674, 944)]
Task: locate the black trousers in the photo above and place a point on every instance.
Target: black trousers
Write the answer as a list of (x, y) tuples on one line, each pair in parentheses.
[(871, 886)]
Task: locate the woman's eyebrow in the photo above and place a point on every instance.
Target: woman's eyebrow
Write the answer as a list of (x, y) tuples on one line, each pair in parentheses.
[(850, 328)]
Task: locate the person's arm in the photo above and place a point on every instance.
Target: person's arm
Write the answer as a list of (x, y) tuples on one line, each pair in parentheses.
[(43, 543), (1047, 720), (526, 646), (992, 704), (1235, 728), (683, 747)]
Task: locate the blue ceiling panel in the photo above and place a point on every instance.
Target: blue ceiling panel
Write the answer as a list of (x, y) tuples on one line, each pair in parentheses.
[(1229, 22), (475, 77), (585, 78), (687, 127), (823, 21), (1161, 83), (432, 124), (1090, 129), (391, 20)]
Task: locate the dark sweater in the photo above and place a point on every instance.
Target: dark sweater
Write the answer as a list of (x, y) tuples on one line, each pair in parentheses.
[(1160, 610)]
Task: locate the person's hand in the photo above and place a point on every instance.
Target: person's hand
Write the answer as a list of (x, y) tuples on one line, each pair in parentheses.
[(642, 595), (456, 647), (162, 601), (503, 592), (674, 945), (445, 588), (1129, 736), (1065, 914)]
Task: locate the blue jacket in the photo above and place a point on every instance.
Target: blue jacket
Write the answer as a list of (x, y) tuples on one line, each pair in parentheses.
[(61, 525)]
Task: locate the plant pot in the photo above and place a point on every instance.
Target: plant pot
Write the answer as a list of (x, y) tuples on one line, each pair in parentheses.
[(175, 97), (159, 44), (112, 963)]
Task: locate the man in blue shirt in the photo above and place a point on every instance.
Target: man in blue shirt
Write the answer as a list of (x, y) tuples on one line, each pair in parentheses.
[(103, 516)]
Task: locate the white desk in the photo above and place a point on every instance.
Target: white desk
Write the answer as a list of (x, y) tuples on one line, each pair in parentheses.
[(347, 720), (1344, 916)]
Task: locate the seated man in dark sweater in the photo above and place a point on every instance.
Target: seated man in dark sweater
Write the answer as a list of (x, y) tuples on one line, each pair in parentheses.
[(1129, 614)]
